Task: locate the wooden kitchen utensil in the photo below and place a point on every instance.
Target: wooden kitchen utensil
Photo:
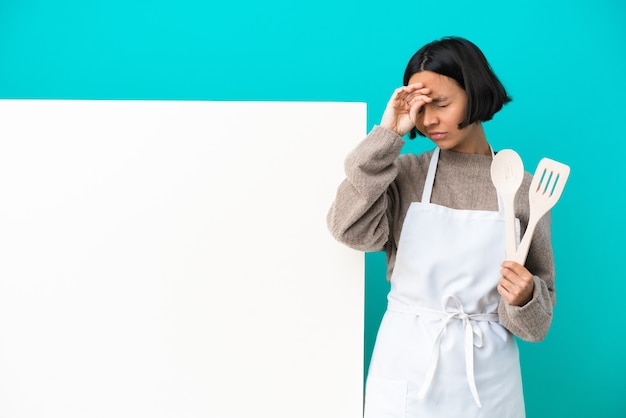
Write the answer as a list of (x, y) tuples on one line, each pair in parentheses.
[(507, 173), (545, 190)]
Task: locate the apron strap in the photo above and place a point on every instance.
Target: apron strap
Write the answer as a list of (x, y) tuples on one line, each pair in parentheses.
[(430, 179), (473, 337)]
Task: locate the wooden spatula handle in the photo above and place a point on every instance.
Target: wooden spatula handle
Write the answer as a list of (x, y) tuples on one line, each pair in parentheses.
[(524, 246)]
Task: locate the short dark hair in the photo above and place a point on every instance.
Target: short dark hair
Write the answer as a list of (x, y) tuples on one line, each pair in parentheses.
[(465, 63)]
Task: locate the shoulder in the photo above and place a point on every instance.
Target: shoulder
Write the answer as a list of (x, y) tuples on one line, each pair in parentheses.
[(409, 159), (412, 168)]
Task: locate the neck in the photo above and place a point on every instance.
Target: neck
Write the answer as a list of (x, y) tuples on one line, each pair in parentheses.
[(476, 143)]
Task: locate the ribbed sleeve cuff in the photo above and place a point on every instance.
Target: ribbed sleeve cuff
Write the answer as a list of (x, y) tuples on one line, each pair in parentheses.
[(530, 322)]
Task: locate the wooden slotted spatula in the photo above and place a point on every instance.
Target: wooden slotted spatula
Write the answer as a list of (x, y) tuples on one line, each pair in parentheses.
[(545, 190)]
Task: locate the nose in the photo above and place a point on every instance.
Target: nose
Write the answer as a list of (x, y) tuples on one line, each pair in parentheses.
[(429, 117)]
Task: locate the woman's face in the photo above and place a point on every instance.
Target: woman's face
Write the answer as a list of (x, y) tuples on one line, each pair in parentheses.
[(439, 120)]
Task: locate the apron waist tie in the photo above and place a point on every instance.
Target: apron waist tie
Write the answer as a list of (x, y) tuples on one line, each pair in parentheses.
[(450, 312)]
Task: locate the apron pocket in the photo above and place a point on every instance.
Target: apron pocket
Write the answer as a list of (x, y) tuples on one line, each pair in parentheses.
[(385, 398)]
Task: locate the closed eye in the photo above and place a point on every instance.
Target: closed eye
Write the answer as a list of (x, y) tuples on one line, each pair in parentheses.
[(441, 101), (421, 109)]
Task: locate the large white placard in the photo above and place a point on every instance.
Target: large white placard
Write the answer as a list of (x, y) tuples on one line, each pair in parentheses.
[(171, 259)]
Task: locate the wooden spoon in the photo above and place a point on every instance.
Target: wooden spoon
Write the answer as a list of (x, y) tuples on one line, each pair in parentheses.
[(507, 173)]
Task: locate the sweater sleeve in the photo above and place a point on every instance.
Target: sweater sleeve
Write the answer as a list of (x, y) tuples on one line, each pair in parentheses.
[(358, 216), (531, 322)]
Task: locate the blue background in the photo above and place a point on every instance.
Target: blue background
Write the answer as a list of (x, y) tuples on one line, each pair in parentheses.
[(562, 61)]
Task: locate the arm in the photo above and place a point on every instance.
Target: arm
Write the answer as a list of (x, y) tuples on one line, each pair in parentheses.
[(530, 316), (358, 216)]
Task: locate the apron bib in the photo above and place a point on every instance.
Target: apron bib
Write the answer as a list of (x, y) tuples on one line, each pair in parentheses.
[(440, 350)]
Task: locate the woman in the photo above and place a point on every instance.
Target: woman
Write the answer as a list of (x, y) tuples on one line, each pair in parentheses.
[(445, 347)]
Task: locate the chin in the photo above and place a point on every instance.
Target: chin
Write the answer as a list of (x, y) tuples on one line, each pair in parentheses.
[(444, 145)]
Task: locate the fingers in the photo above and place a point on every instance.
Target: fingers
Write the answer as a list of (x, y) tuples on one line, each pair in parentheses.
[(411, 94), (515, 275), (516, 284), (415, 104), (401, 112), (410, 99), (516, 267), (419, 99)]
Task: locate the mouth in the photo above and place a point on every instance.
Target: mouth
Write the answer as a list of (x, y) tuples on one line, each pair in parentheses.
[(435, 135)]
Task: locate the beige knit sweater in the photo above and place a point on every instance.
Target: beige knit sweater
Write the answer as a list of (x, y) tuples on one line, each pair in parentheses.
[(380, 184)]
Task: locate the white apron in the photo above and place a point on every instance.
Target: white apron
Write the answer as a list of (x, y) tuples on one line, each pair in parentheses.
[(440, 350)]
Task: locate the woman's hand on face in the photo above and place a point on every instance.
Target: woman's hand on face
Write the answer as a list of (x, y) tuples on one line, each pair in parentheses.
[(401, 112), (516, 284)]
